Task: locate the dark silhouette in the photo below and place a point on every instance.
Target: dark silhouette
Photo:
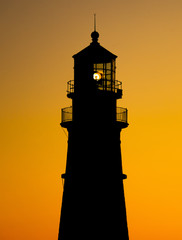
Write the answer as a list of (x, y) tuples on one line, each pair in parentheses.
[(93, 205)]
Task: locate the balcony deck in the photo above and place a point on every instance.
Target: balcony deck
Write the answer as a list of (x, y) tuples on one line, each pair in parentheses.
[(103, 85), (121, 117)]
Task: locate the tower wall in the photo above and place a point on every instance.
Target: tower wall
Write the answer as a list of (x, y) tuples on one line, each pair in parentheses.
[(93, 205)]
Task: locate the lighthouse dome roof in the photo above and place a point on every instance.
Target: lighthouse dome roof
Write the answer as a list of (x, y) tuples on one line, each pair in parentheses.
[(94, 52)]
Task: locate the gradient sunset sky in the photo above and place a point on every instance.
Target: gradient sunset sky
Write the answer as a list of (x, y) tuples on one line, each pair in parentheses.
[(38, 39)]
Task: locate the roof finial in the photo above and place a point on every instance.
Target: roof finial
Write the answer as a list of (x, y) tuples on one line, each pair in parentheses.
[(95, 34), (94, 22)]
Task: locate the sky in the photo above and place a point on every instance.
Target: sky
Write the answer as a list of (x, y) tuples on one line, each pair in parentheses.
[(38, 40)]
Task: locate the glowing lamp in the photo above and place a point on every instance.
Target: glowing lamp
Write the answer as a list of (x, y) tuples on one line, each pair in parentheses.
[(97, 76)]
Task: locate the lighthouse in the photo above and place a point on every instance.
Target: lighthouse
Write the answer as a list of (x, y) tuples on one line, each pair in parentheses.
[(93, 203)]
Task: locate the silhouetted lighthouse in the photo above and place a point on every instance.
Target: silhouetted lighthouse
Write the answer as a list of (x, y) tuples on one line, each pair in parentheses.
[(93, 205)]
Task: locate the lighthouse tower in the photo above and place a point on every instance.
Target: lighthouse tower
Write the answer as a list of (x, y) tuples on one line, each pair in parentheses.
[(93, 204)]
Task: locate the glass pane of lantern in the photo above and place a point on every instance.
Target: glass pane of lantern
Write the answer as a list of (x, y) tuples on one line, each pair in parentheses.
[(100, 66), (108, 76), (108, 66), (108, 71), (95, 66)]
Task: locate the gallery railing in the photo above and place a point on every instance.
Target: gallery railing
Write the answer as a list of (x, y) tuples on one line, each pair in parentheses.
[(110, 86), (121, 115), (70, 87), (66, 114), (103, 85)]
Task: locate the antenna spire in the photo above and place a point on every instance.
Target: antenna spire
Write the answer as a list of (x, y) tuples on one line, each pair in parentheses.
[(95, 34), (94, 22)]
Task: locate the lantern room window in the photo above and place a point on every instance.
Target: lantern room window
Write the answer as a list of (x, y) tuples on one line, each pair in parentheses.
[(104, 71)]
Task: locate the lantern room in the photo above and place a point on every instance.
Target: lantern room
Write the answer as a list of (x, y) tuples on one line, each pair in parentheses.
[(94, 90), (94, 66)]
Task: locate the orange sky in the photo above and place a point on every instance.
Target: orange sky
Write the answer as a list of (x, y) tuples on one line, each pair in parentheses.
[(38, 39)]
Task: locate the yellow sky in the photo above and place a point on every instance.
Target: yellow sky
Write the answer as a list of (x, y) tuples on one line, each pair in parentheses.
[(38, 39)]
